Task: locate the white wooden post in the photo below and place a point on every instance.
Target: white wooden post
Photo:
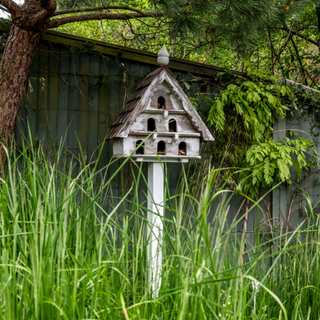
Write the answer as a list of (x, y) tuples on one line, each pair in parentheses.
[(155, 224)]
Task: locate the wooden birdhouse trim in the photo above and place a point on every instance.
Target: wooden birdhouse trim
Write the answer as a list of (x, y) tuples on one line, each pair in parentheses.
[(165, 134), (163, 158), (161, 111)]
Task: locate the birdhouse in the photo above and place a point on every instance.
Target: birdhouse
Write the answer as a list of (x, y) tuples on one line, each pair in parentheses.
[(159, 121)]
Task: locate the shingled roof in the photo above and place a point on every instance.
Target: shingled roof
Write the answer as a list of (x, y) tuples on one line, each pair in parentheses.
[(138, 102)]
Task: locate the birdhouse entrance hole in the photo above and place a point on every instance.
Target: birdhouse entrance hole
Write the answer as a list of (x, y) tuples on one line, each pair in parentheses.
[(182, 149), (161, 147), (140, 150), (161, 103), (151, 124), (172, 125)]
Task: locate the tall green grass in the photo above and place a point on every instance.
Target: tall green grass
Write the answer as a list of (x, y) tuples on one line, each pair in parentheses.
[(70, 249)]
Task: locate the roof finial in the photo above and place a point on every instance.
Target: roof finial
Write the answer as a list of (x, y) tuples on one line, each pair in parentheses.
[(163, 56)]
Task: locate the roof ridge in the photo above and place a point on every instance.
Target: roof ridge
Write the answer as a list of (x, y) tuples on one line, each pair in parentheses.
[(158, 71)]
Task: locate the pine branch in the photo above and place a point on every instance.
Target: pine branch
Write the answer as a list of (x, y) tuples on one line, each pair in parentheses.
[(101, 16), (58, 13)]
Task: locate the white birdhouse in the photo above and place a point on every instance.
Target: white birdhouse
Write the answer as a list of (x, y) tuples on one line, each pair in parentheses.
[(159, 117), (158, 121)]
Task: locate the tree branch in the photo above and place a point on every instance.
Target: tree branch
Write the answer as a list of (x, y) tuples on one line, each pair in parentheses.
[(283, 45), (100, 16), (149, 25), (39, 16), (104, 34), (301, 36), (273, 52), (194, 48), (58, 13), (304, 37), (11, 6), (303, 71), (4, 9), (307, 27)]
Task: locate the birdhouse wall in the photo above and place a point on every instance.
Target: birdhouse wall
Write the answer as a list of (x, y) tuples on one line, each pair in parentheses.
[(162, 124), (171, 145), (172, 101), (184, 123), (141, 123), (117, 145)]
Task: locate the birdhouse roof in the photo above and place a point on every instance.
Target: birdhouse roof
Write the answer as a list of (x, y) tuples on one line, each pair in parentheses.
[(139, 101)]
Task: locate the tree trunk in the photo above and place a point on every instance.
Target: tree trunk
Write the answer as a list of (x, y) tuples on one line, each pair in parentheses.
[(14, 67)]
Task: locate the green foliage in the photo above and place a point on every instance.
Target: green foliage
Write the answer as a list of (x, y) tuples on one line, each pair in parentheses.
[(185, 17), (270, 161), (240, 35), (242, 119), (241, 115), (226, 32), (254, 103)]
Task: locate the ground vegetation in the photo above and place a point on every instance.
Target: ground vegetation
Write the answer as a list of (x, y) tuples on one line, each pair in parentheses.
[(70, 249)]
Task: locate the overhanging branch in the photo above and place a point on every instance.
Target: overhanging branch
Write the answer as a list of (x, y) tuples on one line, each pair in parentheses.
[(304, 37), (308, 27), (58, 13), (284, 44), (11, 6), (101, 16), (301, 36), (4, 9)]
